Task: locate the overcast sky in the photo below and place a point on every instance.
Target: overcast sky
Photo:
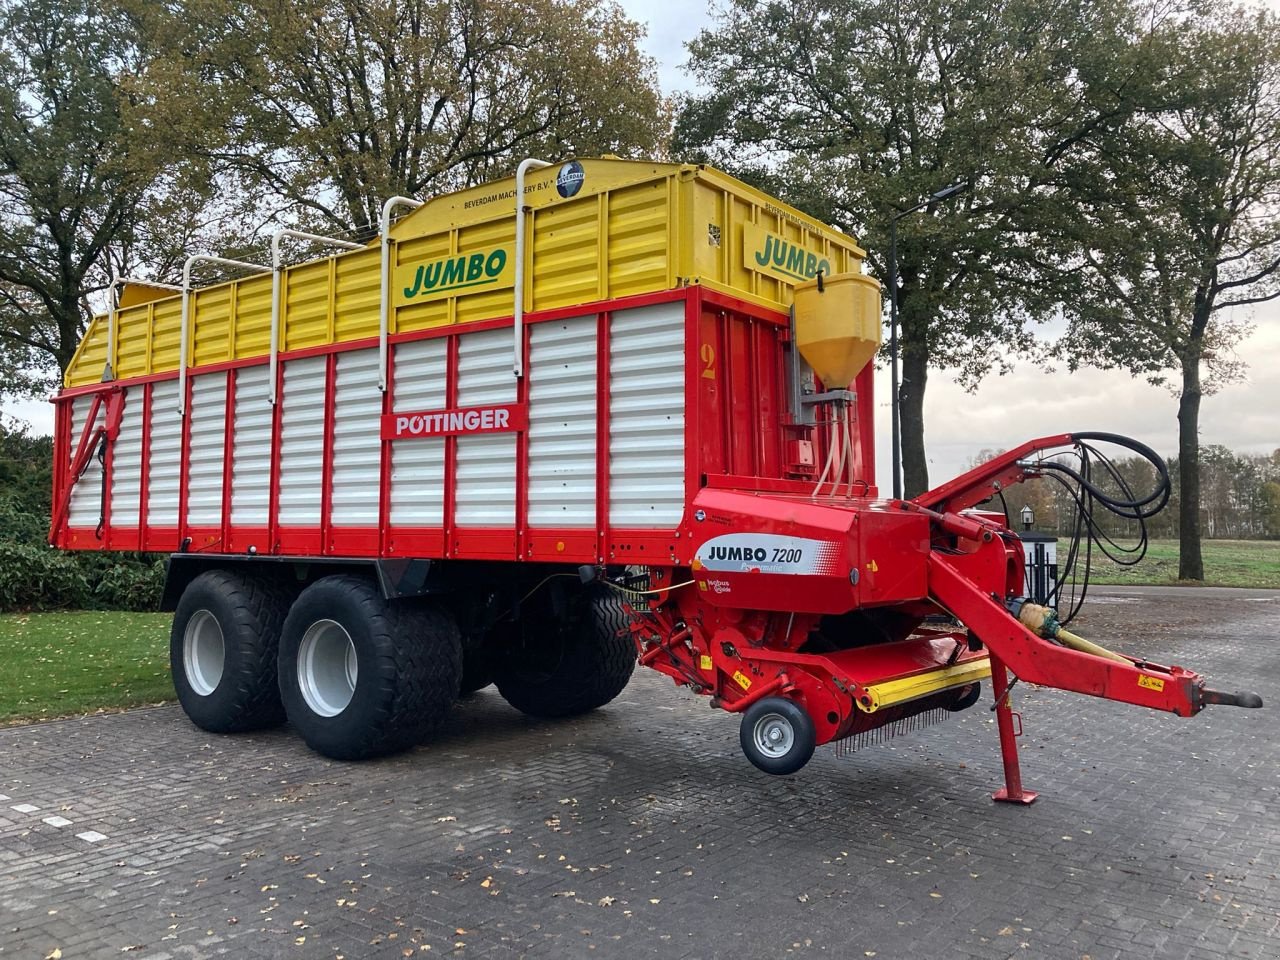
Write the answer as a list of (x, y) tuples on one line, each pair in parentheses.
[(1026, 403)]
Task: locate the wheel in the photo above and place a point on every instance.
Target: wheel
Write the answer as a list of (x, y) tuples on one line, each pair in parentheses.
[(477, 669), (562, 666), (361, 677), (966, 697), (222, 650), (777, 735)]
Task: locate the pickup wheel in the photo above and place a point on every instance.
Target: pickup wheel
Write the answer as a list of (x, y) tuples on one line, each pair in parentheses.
[(548, 666), (362, 677), (966, 697), (777, 735), (222, 651)]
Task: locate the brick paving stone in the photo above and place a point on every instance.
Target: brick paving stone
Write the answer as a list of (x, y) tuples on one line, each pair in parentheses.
[(640, 831)]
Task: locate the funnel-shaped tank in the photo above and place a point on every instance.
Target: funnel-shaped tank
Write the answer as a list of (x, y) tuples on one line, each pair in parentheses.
[(838, 325)]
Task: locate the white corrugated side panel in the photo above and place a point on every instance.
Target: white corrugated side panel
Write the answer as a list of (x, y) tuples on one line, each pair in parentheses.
[(417, 466), (646, 416), (165, 467), (251, 447), (126, 463), (302, 442), (485, 493), (85, 508), (357, 444), (208, 415), (562, 423)]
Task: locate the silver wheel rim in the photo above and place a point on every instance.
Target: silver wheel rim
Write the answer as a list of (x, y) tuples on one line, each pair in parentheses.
[(773, 736), (327, 668), (203, 652)]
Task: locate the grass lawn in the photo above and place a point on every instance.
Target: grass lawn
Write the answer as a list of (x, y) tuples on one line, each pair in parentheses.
[(1227, 563), (62, 664)]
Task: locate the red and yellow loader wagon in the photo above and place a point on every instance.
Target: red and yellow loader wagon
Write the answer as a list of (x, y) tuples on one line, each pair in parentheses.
[(600, 412)]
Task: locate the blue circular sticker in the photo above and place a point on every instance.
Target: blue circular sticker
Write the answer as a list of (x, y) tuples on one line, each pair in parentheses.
[(569, 182)]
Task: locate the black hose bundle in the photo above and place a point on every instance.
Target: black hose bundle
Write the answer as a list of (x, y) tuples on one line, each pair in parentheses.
[(1080, 480)]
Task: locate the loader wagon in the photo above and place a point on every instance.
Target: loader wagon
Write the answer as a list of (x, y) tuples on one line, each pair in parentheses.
[(599, 413)]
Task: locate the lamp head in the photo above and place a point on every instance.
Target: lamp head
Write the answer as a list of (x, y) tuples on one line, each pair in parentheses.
[(950, 190)]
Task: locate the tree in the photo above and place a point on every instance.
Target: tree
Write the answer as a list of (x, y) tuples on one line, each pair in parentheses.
[(854, 110), (1270, 496), (332, 106), (86, 179), (1174, 219)]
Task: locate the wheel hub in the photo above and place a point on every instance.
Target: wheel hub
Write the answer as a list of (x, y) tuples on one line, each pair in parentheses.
[(774, 735), (327, 668), (203, 652)]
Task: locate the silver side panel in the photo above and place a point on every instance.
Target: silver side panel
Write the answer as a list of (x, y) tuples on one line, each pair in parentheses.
[(486, 474), (646, 416), (562, 423), (208, 415), (357, 447), (126, 463), (417, 466), (251, 448), (164, 471), (85, 507), (302, 442)]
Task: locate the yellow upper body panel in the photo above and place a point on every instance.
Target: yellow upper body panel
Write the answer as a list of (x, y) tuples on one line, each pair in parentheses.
[(595, 230)]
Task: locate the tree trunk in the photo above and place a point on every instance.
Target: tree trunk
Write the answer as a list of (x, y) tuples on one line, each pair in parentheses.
[(915, 375), (1190, 561)]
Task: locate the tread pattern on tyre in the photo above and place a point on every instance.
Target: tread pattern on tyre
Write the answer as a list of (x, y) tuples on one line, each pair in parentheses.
[(596, 666), (252, 615), (416, 655)]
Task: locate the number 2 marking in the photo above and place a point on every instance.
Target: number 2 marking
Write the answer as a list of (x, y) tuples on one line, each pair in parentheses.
[(708, 354)]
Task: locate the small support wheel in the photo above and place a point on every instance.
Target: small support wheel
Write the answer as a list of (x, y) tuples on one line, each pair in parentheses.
[(777, 735), (966, 697)]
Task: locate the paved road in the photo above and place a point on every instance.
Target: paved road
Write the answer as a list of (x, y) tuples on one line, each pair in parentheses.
[(640, 831)]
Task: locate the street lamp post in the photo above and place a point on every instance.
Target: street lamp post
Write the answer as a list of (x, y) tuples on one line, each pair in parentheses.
[(896, 430)]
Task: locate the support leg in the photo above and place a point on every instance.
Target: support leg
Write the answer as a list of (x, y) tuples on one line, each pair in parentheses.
[(1012, 791)]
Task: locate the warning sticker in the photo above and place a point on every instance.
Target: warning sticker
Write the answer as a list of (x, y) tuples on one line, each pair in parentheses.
[(1151, 683)]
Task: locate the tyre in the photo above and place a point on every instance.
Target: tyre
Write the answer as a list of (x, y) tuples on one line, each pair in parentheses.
[(966, 697), (361, 677), (777, 735), (222, 650), (477, 669), (562, 666)]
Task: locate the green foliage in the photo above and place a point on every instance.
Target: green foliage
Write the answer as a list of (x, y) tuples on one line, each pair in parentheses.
[(20, 525), (91, 175), (1170, 218), (128, 582), (34, 576), (1270, 496), (329, 107), (38, 577), (856, 111)]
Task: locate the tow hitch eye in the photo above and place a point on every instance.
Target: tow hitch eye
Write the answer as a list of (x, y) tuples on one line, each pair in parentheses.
[(1245, 699)]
